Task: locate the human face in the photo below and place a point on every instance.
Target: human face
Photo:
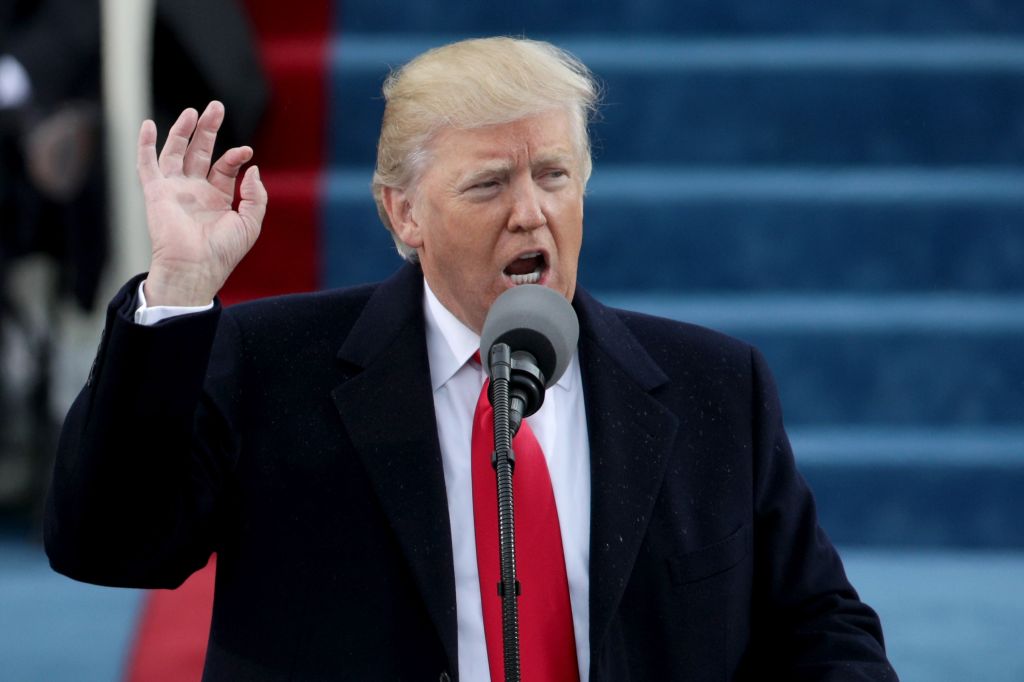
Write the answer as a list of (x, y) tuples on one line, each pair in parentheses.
[(495, 207)]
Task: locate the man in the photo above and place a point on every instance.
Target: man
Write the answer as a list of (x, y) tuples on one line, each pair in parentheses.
[(321, 444)]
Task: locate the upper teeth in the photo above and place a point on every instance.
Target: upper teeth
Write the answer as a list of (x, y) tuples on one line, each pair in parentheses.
[(525, 256)]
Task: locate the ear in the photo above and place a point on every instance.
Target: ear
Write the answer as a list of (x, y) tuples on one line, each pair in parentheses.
[(398, 206)]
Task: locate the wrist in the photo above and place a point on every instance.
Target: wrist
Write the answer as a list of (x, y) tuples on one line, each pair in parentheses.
[(178, 289)]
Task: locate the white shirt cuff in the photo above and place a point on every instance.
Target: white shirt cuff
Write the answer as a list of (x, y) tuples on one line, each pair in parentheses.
[(148, 316)]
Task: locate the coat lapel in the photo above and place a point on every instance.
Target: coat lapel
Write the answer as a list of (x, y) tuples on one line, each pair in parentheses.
[(395, 432), (388, 410), (631, 435)]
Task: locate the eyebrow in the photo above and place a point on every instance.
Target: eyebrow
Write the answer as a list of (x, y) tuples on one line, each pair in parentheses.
[(488, 169), (555, 157), (502, 168)]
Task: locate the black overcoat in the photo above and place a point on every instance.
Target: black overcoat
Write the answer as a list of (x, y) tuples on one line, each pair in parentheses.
[(296, 437)]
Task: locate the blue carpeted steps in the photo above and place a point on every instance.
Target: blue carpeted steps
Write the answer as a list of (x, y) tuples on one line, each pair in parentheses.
[(840, 183), (759, 102), (782, 230)]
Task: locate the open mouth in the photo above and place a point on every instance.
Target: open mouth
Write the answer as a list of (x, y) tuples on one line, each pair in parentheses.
[(527, 268)]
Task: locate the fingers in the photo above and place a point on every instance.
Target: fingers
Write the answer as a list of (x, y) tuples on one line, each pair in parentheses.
[(200, 150), (253, 204), (223, 174), (188, 150), (146, 163), (173, 153)]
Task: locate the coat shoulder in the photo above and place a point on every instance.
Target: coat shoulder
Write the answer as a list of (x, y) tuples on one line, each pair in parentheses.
[(682, 348), (330, 307), (292, 329)]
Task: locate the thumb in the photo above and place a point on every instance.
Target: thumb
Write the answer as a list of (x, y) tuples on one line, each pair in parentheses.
[(253, 205)]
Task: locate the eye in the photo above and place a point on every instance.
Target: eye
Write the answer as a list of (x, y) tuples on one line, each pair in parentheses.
[(554, 177), (483, 189)]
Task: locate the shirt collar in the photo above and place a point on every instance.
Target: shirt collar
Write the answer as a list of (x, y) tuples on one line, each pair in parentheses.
[(451, 344)]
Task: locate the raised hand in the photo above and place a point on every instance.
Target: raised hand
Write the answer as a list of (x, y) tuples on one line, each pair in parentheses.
[(197, 237)]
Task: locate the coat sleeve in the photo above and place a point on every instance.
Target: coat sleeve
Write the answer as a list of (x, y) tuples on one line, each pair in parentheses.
[(143, 454), (809, 622)]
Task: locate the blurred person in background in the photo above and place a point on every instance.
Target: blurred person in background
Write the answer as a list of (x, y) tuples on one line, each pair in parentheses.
[(54, 228)]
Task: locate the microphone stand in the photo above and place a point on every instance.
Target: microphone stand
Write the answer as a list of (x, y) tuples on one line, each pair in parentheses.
[(503, 461)]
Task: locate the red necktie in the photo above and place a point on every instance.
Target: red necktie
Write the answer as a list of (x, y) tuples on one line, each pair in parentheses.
[(547, 645)]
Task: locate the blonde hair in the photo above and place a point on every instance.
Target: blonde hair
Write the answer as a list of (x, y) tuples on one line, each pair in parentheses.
[(472, 84)]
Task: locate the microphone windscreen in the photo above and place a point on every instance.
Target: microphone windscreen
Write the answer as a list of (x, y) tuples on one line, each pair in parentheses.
[(533, 318)]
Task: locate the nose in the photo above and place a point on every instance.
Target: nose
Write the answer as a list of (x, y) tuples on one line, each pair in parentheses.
[(527, 213)]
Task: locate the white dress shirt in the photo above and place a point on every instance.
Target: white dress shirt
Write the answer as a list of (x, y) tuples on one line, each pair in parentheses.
[(561, 429)]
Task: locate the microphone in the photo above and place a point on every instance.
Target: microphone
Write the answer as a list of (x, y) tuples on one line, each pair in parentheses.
[(529, 336), (528, 339)]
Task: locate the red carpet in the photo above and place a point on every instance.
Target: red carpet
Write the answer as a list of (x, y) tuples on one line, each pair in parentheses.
[(290, 151), (170, 644)]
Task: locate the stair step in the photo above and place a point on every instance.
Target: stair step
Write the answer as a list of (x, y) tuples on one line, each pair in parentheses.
[(790, 230), (959, 53), (761, 102), (948, 615), (878, 185), (894, 313), (534, 17), (962, 449), (916, 487), (57, 629), (875, 361)]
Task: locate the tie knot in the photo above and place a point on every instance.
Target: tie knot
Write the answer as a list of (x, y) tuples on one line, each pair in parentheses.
[(476, 358)]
